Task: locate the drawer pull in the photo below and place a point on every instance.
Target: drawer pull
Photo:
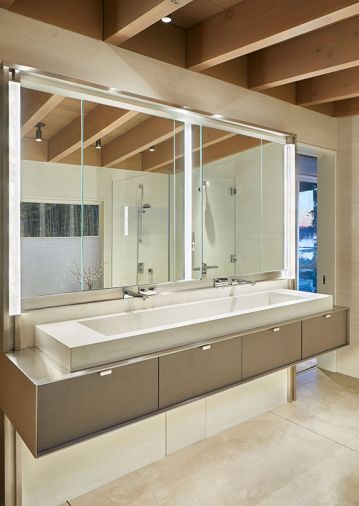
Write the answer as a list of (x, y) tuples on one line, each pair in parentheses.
[(106, 373), (328, 316), (206, 347), (276, 329)]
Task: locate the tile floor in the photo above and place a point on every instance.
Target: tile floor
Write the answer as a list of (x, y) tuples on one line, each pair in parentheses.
[(304, 453)]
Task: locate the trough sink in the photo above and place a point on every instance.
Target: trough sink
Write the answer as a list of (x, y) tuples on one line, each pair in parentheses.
[(90, 342)]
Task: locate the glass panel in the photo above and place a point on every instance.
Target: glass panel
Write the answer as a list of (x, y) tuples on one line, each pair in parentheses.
[(132, 174), (197, 203), (50, 194), (273, 231)]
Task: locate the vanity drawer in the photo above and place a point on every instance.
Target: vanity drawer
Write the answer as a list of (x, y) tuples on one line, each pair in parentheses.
[(71, 409), (198, 371), (271, 349), (324, 332)]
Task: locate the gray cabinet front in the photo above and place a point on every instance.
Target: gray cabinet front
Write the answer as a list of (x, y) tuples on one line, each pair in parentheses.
[(198, 371), (78, 407), (325, 332), (271, 349)]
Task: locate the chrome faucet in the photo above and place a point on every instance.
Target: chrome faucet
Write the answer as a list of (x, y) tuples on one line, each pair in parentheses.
[(230, 281), (236, 280), (142, 292)]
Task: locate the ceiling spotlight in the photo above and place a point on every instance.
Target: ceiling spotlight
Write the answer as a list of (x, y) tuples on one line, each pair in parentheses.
[(167, 19), (217, 116), (152, 149), (38, 132), (98, 144)]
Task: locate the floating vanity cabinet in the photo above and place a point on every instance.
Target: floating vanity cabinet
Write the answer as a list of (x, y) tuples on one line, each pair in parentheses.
[(188, 374), (268, 350), (325, 332), (57, 413)]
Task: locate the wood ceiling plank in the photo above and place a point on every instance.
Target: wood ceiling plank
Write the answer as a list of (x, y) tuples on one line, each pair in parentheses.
[(153, 131), (6, 4), (331, 87), (97, 124), (164, 42), (348, 107), (35, 105), (333, 48), (125, 18), (81, 16), (252, 25)]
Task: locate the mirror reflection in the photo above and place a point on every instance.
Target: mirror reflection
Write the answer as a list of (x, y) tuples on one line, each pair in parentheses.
[(238, 211), (103, 198), (98, 196)]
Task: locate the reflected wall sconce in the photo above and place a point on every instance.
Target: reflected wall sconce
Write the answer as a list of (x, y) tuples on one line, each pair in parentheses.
[(38, 132), (98, 144)]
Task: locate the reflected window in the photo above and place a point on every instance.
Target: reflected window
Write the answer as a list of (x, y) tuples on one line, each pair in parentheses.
[(307, 223)]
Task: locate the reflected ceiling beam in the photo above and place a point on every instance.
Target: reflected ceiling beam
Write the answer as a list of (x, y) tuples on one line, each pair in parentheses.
[(336, 86), (97, 124), (165, 153), (140, 138), (217, 151), (348, 107), (252, 25), (124, 19), (35, 106), (330, 49)]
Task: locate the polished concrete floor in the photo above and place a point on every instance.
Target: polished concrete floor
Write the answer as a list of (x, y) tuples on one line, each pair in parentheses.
[(304, 453)]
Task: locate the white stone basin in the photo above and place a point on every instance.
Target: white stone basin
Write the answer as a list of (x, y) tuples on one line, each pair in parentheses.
[(79, 344)]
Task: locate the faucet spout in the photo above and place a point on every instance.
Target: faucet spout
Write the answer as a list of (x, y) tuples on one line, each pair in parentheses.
[(141, 292)]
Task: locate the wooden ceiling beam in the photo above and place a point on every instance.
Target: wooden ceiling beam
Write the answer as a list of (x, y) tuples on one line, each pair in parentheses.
[(152, 131), (124, 19), (252, 25), (165, 153), (97, 124), (328, 88), (35, 105), (6, 4), (330, 49), (348, 107)]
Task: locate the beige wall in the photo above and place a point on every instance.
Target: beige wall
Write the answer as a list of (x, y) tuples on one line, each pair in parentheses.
[(348, 236), (66, 53)]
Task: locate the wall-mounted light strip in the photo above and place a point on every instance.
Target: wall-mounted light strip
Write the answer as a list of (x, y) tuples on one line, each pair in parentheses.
[(290, 211), (188, 200), (14, 199)]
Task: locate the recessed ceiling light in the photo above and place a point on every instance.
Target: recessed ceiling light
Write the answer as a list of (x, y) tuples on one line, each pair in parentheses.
[(38, 132), (167, 19), (217, 116), (187, 107), (152, 149), (98, 144)]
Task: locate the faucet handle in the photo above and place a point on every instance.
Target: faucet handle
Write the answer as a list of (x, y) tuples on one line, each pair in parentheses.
[(220, 282)]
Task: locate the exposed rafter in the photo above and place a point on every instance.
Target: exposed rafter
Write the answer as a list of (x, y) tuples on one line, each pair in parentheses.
[(330, 49), (151, 132), (336, 86), (97, 124), (125, 18), (348, 107), (255, 24), (35, 106)]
